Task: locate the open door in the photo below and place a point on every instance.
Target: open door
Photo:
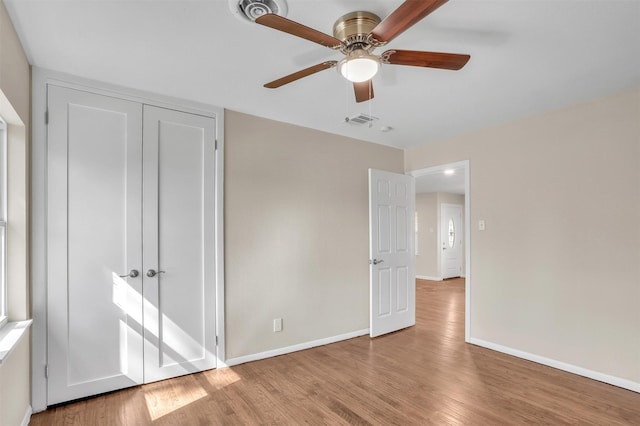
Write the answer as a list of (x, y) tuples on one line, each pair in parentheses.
[(391, 252)]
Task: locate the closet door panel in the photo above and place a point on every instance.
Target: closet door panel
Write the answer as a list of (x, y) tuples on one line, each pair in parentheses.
[(179, 153), (94, 235)]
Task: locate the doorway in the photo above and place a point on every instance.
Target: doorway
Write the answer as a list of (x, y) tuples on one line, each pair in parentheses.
[(453, 180)]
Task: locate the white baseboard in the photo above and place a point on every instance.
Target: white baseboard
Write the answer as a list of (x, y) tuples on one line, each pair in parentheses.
[(595, 375), (424, 277), (294, 348), (27, 417)]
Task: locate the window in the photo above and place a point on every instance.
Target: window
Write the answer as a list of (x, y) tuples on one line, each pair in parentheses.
[(3, 222), (452, 233)]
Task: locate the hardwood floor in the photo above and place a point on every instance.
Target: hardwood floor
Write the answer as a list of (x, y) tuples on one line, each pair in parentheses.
[(422, 375)]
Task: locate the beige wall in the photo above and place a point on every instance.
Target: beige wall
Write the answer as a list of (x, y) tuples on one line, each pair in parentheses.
[(15, 80), (427, 257), (296, 232), (14, 386), (555, 273), (14, 68)]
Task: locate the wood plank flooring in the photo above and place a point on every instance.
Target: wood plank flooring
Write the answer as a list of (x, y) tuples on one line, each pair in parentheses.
[(423, 375)]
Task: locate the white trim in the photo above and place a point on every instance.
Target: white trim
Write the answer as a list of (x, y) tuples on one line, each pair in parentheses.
[(467, 250), (595, 375), (467, 231), (424, 277), (40, 79), (38, 241), (219, 227), (27, 417), (45, 77), (4, 179), (295, 348)]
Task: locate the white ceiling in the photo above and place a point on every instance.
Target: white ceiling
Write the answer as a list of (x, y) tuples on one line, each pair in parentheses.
[(438, 181), (527, 56)]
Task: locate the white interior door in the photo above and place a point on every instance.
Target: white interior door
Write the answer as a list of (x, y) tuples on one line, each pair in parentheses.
[(94, 219), (451, 236), (391, 249), (179, 241)]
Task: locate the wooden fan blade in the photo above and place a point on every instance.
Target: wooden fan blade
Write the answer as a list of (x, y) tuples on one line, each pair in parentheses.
[(277, 22), (416, 58), (405, 16), (364, 91), (300, 74)]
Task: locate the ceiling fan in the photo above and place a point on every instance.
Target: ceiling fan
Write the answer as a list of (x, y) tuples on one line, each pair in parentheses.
[(357, 35)]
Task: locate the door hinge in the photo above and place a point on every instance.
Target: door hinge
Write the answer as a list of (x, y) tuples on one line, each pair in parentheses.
[(215, 148), (216, 340), (46, 117), (46, 371)]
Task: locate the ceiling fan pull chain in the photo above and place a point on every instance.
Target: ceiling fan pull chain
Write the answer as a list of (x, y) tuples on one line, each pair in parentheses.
[(370, 84), (346, 101)]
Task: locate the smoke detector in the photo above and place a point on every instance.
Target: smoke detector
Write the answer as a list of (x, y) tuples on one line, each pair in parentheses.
[(250, 10)]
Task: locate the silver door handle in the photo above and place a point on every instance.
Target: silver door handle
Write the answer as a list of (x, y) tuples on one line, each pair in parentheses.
[(152, 273), (376, 261), (132, 274)]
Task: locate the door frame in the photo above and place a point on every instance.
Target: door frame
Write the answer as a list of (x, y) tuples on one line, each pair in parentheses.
[(38, 269), (467, 231)]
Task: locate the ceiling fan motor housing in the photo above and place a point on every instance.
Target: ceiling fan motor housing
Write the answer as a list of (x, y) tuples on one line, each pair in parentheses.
[(353, 28)]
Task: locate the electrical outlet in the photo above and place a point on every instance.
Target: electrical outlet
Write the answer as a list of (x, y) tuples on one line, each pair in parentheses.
[(277, 325)]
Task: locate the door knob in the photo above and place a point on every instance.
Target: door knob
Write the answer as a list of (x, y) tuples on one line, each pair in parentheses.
[(132, 274), (152, 273), (376, 261)]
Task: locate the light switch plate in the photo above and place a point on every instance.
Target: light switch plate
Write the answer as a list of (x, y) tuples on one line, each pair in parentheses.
[(277, 325), (481, 225)]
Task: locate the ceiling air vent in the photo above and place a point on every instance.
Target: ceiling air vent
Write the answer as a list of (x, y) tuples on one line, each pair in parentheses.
[(252, 9), (361, 119)]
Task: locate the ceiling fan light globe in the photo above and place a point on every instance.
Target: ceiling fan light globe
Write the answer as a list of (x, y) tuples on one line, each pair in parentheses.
[(359, 67)]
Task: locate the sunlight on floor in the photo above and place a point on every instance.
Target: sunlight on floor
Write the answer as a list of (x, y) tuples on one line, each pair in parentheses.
[(167, 399), (222, 377), (168, 396)]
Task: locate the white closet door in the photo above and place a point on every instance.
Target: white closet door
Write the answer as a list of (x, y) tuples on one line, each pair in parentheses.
[(93, 236), (179, 237)]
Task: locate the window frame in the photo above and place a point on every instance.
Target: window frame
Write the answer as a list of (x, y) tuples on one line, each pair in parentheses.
[(3, 223)]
